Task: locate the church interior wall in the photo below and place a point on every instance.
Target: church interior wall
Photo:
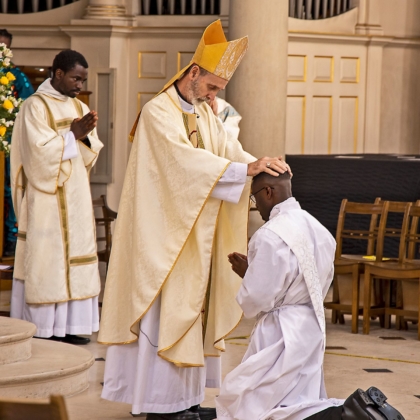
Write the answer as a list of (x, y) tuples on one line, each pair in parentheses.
[(400, 18), (400, 123), (365, 98)]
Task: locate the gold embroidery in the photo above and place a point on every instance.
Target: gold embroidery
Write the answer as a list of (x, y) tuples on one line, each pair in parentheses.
[(180, 364), (81, 144), (64, 123), (172, 268), (61, 301), (21, 235), (200, 143), (231, 58), (206, 303), (78, 107), (62, 205), (83, 260), (53, 125), (51, 120)]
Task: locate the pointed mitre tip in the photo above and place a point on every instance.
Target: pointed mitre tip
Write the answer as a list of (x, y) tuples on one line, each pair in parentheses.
[(214, 34)]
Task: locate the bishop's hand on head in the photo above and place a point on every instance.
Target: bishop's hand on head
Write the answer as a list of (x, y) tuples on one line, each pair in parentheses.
[(239, 263), (272, 166)]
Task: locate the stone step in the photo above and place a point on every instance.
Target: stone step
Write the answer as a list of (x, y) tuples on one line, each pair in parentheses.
[(15, 340), (54, 368)]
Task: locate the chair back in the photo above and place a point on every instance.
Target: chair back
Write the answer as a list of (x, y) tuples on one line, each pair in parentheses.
[(108, 216), (397, 217), (23, 409), (411, 237), (373, 235)]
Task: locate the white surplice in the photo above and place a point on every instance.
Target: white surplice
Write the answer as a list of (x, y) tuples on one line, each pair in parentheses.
[(281, 374), (135, 374), (73, 317)]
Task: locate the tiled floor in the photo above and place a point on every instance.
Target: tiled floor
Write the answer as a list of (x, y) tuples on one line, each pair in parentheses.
[(351, 362)]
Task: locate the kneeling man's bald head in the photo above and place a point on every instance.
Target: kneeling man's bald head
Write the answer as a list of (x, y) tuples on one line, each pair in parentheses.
[(268, 191)]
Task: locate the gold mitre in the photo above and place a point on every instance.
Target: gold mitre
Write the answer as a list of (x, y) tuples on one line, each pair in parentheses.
[(218, 56), (215, 54)]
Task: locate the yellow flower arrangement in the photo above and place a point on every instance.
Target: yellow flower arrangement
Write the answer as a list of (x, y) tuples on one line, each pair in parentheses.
[(10, 76), (7, 104)]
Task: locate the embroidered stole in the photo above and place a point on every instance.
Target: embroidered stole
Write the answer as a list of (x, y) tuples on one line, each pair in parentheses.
[(299, 243)]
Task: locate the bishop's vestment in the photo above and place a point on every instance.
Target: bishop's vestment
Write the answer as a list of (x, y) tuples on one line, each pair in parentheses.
[(169, 281)]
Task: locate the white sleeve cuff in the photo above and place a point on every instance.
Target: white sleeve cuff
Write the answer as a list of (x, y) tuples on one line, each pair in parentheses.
[(235, 173), (70, 146), (232, 183)]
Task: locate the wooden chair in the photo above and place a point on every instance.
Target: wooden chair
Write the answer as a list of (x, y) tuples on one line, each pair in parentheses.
[(393, 231), (353, 265), (23, 409), (108, 216), (406, 269)]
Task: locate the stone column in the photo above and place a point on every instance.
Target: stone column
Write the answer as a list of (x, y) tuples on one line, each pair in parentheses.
[(258, 89), (368, 19), (105, 9)]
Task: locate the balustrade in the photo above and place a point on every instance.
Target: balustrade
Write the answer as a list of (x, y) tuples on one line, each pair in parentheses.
[(319, 9), (147, 7)]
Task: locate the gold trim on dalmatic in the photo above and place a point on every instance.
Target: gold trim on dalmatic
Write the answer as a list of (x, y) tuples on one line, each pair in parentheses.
[(64, 123), (78, 107), (53, 126), (62, 206), (62, 301), (21, 235), (83, 260)]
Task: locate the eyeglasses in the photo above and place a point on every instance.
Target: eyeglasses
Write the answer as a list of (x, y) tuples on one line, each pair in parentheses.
[(252, 196)]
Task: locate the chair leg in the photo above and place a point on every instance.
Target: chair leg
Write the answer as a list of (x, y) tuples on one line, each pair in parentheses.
[(341, 319), (387, 294), (355, 301), (366, 300), (398, 304), (418, 314)]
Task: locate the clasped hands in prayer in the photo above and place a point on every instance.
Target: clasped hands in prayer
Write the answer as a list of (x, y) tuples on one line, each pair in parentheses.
[(239, 263), (272, 166), (81, 127)]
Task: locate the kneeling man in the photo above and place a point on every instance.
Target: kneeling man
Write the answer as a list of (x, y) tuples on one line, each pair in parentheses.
[(287, 273)]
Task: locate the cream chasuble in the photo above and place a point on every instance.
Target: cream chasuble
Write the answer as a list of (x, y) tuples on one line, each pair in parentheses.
[(56, 249), (170, 231)]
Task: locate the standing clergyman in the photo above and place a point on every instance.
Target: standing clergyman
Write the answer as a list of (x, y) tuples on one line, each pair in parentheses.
[(170, 294), (56, 279)]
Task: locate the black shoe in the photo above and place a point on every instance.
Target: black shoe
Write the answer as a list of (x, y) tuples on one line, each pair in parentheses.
[(180, 415), (52, 338), (369, 405), (205, 413), (75, 339)]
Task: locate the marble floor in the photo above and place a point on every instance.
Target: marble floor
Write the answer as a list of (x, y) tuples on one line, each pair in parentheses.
[(388, 359)]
